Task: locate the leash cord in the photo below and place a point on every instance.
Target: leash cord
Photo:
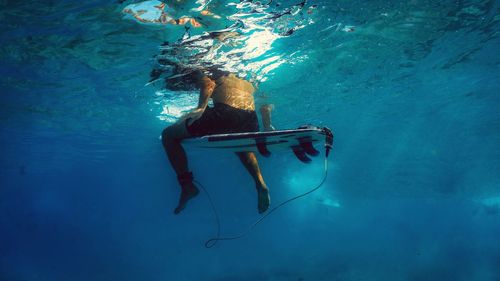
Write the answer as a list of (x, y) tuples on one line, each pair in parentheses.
[(212, 241)]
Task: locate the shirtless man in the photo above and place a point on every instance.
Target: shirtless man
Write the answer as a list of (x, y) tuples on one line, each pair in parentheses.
[(233, 111)]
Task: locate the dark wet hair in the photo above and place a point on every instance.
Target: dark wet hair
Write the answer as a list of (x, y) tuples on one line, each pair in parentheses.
[(187, 79), (215, 72), (183, 79)]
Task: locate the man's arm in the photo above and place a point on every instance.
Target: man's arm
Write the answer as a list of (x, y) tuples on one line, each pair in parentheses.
[(265, 111), (207, 87)]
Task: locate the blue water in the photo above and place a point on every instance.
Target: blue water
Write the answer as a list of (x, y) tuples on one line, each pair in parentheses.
[(410, 89)]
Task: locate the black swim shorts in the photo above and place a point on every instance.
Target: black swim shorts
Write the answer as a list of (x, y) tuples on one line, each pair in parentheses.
[(223, 119)]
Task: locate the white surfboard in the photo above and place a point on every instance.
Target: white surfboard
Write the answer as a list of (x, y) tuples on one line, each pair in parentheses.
[(301, 141)]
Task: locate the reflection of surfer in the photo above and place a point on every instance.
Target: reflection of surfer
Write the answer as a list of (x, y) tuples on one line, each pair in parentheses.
[(154, 11)]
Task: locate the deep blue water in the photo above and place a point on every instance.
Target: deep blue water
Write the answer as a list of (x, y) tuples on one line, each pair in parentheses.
[(410, 89)]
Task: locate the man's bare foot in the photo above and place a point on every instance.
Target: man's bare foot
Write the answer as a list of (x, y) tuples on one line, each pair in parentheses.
[(188, 191), (263, 199)]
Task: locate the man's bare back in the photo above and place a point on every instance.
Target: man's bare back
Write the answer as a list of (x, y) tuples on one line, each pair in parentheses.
[(234, 92)]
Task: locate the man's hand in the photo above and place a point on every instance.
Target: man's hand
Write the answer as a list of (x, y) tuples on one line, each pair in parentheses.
[(192, 116)]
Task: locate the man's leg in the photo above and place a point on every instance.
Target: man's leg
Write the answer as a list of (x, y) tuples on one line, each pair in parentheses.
[(250, 162), (171, 139)]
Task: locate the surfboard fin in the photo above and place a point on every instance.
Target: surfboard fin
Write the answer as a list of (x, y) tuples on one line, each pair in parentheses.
[(261, 147), (306, 145), (301, 154)]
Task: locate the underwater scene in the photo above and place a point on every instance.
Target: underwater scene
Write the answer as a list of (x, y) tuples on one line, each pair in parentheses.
[(106, 172)]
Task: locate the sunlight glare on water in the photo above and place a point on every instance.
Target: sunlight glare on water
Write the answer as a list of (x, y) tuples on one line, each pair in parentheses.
[(409, 88)]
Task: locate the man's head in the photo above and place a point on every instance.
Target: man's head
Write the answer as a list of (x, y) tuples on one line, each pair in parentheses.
[(189, 78), (183, 79)]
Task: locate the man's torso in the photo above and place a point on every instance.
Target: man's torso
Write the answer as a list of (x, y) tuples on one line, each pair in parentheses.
[(234, 92)]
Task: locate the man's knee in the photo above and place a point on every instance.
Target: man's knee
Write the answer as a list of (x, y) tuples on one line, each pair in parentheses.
[(164, 136), (168, 135), (173, 133)]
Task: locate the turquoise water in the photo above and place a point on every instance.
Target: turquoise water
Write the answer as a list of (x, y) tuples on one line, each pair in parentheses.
[(410, 89)]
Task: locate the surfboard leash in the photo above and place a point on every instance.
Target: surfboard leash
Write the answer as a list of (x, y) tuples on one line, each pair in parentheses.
[(212, 241)]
